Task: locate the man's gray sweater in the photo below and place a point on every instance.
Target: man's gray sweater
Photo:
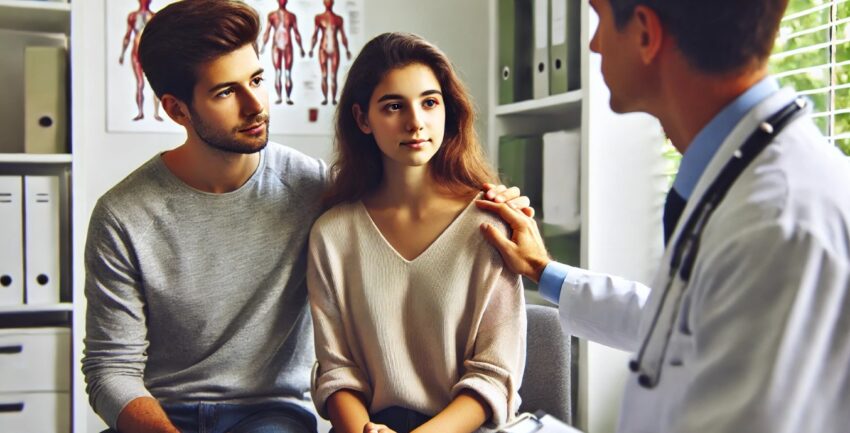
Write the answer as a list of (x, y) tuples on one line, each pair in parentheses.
[(199, 297)]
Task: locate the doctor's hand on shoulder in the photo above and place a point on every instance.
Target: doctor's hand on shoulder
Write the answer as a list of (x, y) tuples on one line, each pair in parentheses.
[(511, 196), (525, 252)]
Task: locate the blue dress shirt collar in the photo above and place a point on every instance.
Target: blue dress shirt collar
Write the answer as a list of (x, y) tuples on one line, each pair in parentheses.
[(709, 139)]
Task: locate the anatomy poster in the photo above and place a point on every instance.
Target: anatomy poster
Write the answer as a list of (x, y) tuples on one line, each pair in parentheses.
[(306, 47)]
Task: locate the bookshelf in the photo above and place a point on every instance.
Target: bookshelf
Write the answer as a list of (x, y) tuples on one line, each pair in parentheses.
[(622, 185), (36, 16), (35, 335)]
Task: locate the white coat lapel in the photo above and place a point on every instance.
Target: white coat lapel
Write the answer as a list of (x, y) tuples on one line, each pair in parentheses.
[(667, 293)]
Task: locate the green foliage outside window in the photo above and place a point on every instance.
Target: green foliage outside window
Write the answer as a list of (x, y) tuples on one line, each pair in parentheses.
[(823, 73), (822, 70)]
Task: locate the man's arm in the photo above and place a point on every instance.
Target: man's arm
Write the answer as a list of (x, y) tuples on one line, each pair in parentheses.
[(144, 415), (116, 330)]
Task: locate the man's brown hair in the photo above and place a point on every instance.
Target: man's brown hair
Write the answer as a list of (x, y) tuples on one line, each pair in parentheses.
[(189, 33)]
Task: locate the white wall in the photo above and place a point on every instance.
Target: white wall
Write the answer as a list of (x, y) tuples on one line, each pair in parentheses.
[(101, 158), (622, 208), (458, 27)]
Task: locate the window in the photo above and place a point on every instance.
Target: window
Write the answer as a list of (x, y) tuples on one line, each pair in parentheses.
[(812, 55)]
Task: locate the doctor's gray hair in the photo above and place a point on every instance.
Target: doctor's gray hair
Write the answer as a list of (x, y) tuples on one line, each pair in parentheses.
[(716, 36)]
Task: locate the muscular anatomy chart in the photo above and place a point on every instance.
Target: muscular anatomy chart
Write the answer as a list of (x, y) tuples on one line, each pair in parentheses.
[(305, 86), (284, 25), (136, 21), (331, 27)]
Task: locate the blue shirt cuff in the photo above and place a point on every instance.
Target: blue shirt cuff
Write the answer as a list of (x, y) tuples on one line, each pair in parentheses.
[(551, 281)]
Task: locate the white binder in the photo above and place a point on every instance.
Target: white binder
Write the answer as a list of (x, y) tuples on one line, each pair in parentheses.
[(41, 237), (11, 241), (562, 179), (46, 104), (540, 74)]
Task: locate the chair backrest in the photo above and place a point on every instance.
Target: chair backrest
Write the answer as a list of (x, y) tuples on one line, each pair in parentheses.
[(546, 383)]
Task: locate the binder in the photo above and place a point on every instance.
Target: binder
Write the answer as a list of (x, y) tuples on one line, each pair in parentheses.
[(540, 78), (520, 163), (565, 46), (11, 241), (41, 239), (561, 179), (46, 100), (514, 53)]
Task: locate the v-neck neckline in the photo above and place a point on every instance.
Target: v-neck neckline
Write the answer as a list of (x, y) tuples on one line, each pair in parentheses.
[(445, 233)]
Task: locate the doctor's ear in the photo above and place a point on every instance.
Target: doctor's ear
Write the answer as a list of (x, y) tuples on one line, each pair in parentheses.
[(176, 109), (651, 32), (361, 118)]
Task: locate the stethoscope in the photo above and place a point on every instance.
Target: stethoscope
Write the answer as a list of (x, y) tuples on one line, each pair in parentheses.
[(687, 244)]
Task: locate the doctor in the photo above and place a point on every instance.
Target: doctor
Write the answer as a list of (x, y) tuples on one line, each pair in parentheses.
[(747, 325)]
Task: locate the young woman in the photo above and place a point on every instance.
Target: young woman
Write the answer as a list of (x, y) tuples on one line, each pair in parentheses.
[(419, 326)]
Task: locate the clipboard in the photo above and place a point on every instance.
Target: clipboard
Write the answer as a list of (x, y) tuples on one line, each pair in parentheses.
[(538, 422)]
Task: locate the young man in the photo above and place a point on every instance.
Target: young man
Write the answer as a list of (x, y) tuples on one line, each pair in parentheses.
[(746, 328), (197, 311)]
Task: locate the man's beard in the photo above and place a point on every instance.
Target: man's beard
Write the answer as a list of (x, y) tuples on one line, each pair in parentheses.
[(230, 141)]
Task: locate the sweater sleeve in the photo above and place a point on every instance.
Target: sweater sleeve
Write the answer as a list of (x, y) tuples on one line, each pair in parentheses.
[(116, 331), (494, 370), (336, 369)]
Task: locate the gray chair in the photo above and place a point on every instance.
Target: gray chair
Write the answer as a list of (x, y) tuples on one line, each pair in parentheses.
[(546, 383)]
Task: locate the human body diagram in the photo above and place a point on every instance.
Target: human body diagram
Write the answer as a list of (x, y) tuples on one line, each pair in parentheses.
[(136, 22), (283, 24), (331, 26)]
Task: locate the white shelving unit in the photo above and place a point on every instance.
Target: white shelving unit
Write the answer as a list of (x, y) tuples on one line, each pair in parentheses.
[(622, 184), (40, 332), (31, 158), (64, 306), (35, 16)]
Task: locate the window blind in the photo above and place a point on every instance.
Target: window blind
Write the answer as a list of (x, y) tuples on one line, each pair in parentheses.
[(812, 54)]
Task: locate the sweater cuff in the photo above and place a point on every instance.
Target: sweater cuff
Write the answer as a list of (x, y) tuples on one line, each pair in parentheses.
[(116, 393), (329, 382), (493, 393)]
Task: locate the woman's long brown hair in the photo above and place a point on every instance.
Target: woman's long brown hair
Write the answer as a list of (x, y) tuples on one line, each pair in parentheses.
[(459, 164)]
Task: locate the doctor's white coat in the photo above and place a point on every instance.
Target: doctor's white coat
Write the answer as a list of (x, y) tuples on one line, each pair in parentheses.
[(761, 341)]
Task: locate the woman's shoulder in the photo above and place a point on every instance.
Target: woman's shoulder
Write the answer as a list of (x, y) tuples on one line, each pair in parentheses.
[(338, 218), (478, 216)]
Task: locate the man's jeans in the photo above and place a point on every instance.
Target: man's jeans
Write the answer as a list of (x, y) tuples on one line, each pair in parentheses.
[(240, 418)]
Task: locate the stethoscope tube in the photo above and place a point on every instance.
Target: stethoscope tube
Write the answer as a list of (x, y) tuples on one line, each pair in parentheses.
[(687, 245)]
